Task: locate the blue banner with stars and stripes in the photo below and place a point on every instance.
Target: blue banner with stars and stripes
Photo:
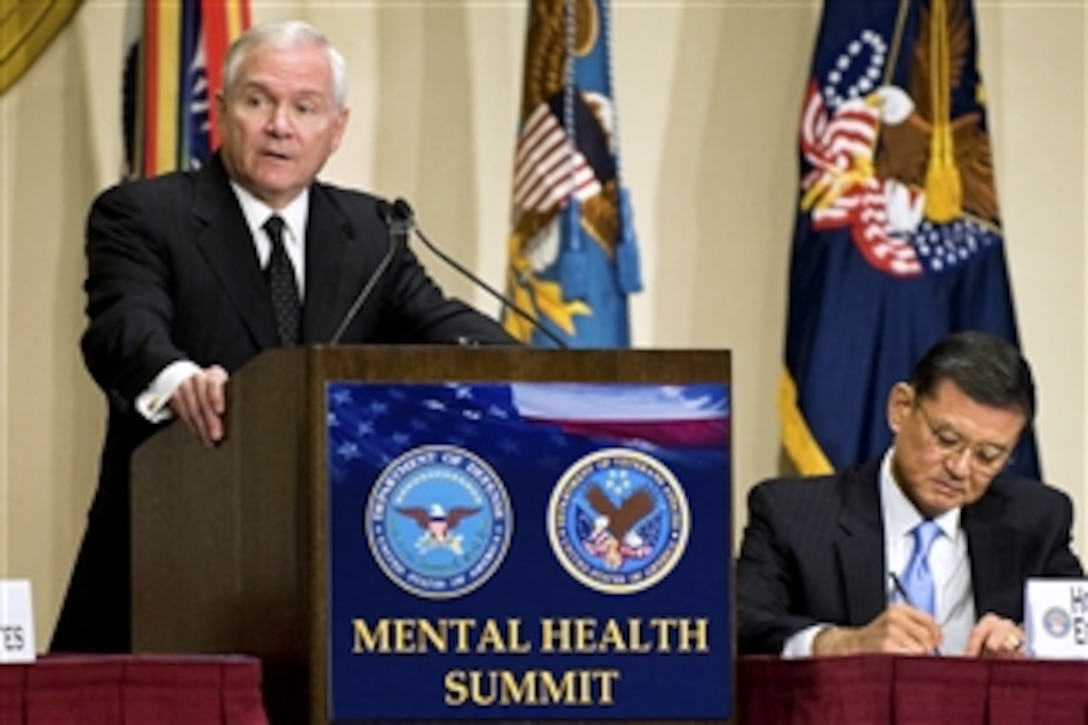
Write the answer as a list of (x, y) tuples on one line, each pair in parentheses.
[(529, 551)]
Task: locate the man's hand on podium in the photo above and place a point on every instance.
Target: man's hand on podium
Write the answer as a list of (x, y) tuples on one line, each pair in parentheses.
[(200, 402)]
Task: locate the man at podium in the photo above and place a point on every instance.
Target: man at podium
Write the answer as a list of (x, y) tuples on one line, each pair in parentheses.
[(191, 275), (924, 551)]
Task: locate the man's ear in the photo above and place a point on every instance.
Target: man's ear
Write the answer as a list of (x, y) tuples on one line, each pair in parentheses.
[(221, 114), (339, 124), (900, 401)]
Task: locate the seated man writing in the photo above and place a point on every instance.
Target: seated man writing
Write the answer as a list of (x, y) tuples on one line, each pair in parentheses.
[(923, 551)]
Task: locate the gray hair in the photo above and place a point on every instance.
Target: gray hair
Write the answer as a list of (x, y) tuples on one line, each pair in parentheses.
[(287, 34)]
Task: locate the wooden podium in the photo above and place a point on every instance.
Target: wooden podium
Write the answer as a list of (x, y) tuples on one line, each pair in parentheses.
[(229, 544)]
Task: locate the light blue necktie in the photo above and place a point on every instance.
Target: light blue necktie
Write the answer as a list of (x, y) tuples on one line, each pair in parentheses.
[(917, 580)]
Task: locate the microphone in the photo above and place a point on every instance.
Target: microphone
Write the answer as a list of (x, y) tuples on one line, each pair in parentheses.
[(398, 229), (402, 211)]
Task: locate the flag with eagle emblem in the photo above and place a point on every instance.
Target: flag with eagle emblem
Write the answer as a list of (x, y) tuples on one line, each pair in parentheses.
[(573, 257), (898, 237), (174, 52)]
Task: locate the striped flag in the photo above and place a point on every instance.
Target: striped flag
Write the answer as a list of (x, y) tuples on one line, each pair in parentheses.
[(647, 416), (173, 68), (898, 237), (548, 168), (573, 258)]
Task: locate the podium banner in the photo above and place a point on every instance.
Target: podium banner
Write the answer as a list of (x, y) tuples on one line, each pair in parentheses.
[(539, 551)]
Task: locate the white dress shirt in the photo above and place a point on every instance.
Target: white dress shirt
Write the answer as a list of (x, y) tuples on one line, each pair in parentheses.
[(948, 561)]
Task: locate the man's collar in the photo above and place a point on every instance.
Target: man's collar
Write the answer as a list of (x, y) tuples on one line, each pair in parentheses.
[(899, 514), (295, 215)]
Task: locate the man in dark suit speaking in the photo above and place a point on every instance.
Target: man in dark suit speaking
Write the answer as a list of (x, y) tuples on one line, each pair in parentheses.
[(191, 275), (923, 551)]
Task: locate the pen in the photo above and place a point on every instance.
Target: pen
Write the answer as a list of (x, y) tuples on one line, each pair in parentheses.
[(902, 592)]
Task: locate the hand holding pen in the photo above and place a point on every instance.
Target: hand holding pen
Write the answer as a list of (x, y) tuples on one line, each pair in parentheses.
[(905, 598), (897, 630)]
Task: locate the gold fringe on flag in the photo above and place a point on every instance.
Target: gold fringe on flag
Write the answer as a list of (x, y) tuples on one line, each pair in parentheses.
[(944, 188), (26, 29)]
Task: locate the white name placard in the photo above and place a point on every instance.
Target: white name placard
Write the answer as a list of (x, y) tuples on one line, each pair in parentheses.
[(1056, 618), (16, 621)]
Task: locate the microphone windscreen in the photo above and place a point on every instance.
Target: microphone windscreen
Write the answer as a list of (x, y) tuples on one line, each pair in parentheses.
[(403, 210)]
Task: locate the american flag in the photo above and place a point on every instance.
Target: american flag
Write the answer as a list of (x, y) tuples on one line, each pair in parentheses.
[(548, 168), (553, 422)]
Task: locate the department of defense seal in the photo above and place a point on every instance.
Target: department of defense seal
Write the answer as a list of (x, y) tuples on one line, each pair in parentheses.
[(618, 521), (438, 521)]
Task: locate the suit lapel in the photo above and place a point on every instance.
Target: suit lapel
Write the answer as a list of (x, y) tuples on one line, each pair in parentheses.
[(860, 545), (991, 548), (223, 237), (333, 267)]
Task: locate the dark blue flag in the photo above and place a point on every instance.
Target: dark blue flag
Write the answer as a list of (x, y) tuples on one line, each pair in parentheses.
[(898, 238)]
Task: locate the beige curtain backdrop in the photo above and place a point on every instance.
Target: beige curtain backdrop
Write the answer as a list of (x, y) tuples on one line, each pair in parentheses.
[(709, 94)]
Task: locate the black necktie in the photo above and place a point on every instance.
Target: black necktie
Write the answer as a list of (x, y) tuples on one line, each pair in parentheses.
[(282, 285)]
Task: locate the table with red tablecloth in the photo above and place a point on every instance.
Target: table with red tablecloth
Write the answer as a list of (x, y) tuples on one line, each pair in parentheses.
[(885, 689), (212, 690), (123, 689)]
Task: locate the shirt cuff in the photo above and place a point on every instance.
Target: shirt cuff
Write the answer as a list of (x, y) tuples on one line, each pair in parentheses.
[(799, 645), (153, 403)]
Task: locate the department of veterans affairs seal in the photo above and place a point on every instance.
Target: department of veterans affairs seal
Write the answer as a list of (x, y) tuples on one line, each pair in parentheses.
[(1057, 622), (618, 521), (438, 521)]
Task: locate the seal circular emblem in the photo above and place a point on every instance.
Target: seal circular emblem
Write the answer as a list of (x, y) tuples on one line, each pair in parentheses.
[(618, 521), (1057, 622), (438, 521)]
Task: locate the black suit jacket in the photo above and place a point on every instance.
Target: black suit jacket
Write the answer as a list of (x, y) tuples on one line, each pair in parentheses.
[(813, 551), (173, 274)]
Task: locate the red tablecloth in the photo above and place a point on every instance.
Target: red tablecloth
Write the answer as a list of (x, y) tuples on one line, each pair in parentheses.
[(874, 689), (131, 690)]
